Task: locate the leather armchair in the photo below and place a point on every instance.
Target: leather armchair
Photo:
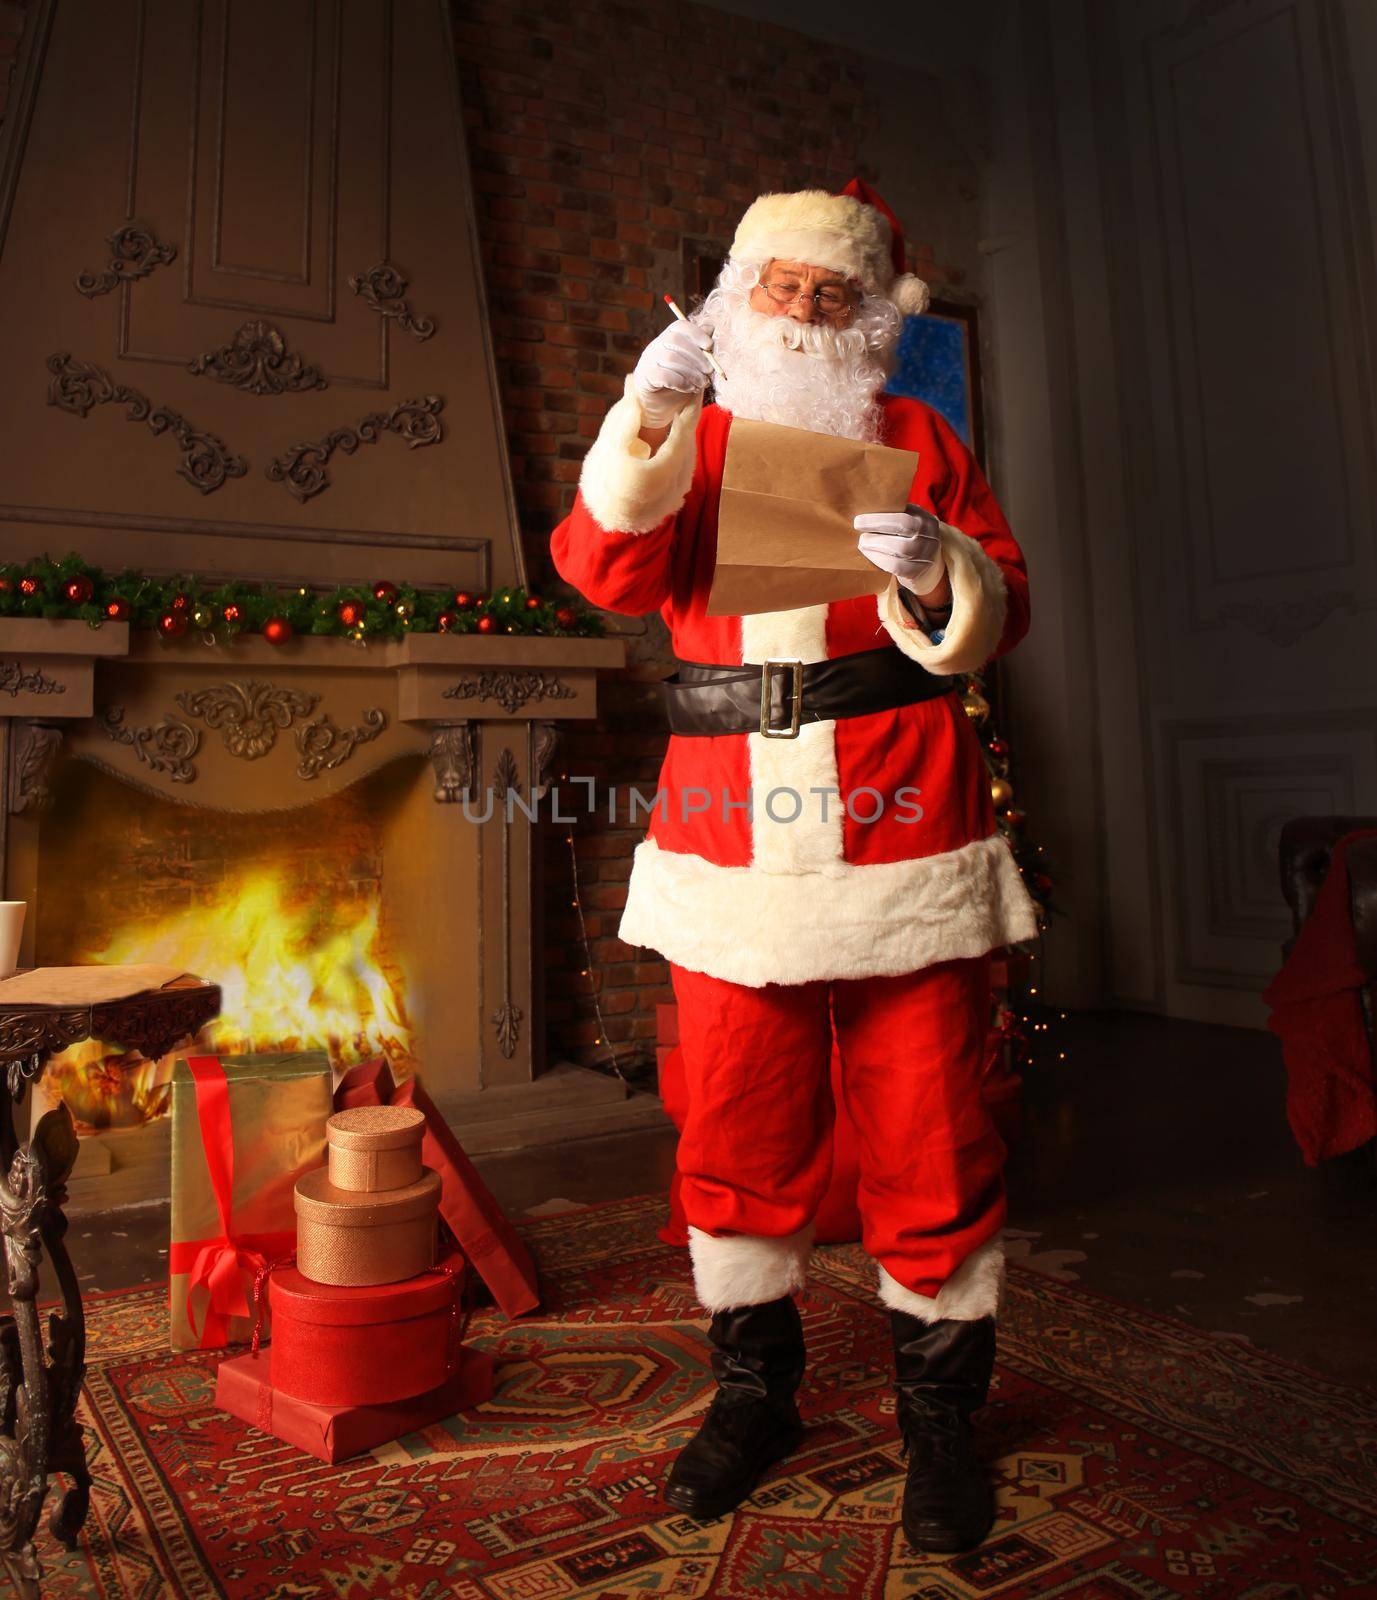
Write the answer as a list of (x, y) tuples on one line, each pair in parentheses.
[(1306, 845)]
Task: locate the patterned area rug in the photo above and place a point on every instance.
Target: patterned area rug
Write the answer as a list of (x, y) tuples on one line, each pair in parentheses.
[(1136, 1459)]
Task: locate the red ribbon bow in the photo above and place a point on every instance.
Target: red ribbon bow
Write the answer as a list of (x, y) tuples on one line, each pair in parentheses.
[(220, 1265)]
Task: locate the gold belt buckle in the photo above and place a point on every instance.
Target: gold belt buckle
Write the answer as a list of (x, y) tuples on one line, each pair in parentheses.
[(791, 732)]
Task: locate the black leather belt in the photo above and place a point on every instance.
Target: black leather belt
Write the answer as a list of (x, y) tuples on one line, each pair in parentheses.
[(775, 699)]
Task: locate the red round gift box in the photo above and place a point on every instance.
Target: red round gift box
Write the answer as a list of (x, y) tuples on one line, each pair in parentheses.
[(363, 1346)]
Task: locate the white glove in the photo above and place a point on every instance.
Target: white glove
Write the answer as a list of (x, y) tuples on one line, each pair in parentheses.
[(672, 369), (905, 543)]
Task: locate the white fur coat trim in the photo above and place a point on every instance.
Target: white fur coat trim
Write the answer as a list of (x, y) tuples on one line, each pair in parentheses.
[(626, 489), (820, 230), (790, 768), (744, 1269), (980, 601), (755, 927), (974, 1290)]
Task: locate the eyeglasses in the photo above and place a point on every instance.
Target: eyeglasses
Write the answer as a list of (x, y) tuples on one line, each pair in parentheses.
[(831, 299)]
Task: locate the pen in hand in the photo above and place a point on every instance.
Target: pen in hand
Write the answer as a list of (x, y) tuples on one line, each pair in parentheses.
[(716, 364)]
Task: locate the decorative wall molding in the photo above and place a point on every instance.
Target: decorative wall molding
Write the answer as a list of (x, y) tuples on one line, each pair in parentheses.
[(17, 679), (512, 688), (452, 756), (1283, 622), (247, 713), (506, 1020), (167, 746), (323, 745), (34, 746), (302, 468), (135, 252), (256, 361), (382, 288), (78, 386)]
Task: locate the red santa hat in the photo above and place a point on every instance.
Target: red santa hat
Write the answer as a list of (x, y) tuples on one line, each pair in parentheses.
[(853, 232)]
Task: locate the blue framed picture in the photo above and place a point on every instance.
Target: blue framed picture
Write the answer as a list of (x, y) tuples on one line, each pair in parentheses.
[(938, 361)]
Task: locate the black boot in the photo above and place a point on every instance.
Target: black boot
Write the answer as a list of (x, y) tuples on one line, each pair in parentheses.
[(943, 1375), (753, 1421)]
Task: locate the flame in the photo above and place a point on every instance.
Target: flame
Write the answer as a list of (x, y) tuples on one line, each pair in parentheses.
[(298, 968)]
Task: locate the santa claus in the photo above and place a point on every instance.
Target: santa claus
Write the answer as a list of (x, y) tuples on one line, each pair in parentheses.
[(824, 853)]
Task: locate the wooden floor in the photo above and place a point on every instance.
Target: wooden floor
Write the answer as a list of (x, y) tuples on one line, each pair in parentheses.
[(1154, 1165)]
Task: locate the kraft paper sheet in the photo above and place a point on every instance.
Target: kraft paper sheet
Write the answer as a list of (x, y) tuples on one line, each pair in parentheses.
[(784, 533), (84, 986)]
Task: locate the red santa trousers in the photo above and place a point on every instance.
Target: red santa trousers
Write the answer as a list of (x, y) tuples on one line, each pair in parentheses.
[(756, 1147)]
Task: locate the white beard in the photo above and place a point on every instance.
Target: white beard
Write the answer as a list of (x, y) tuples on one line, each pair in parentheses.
[(801, 374)]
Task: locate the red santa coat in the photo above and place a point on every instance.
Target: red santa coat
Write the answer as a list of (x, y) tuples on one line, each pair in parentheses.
[(725, 884)]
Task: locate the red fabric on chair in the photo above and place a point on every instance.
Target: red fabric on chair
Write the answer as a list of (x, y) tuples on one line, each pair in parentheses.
[(1317, 1014)]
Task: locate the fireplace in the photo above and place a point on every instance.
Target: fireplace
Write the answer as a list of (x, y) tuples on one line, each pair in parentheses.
[(311, 827)]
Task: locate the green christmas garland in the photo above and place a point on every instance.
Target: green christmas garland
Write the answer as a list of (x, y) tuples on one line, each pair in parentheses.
[(72, 590)]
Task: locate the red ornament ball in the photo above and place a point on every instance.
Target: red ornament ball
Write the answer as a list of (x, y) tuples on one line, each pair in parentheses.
[(6, 584), (79, 589), (998, 747), (234, 614), (1015, 817), (486, 624), (117, 608), (445, 621), (565, 617), (383, 590), (180, 602), (463, 598), (1042, 883), (277, 630), (480, 600), (533, 602), (351, 613), (28, 586), (172, 624)]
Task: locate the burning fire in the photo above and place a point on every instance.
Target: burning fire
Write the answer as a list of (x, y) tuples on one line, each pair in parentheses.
[(297, 970)]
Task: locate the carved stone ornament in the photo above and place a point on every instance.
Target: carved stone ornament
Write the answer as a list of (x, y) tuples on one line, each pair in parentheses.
[(452, 755), (78, 386), (256, 361), (135, 252), (167, 746), (17, 679), (302, 468), (382, 288), (544, 743), (247, 713), (511, 688), (323, 746), (33, 749), (506, 1020)]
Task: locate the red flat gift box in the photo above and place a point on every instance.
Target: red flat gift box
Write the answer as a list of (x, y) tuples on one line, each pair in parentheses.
[(334, 1433), (371, 1346)]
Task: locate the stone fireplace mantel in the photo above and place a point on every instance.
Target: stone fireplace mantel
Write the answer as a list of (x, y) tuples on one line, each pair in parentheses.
[(251, 729)]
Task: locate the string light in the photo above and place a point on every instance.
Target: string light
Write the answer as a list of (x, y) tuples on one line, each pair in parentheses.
[(577, 904)]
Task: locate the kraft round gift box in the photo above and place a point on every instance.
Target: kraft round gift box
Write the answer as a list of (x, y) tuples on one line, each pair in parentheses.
[(375, 1147), (351, 1239), (362, 1346)]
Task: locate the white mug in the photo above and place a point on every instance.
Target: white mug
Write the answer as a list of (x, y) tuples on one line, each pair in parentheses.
[(11, 929)]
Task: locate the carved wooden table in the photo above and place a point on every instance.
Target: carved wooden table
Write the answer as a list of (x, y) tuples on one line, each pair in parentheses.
[(39, 1433)]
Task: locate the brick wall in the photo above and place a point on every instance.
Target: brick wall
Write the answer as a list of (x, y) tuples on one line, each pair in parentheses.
[(608, 141)]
